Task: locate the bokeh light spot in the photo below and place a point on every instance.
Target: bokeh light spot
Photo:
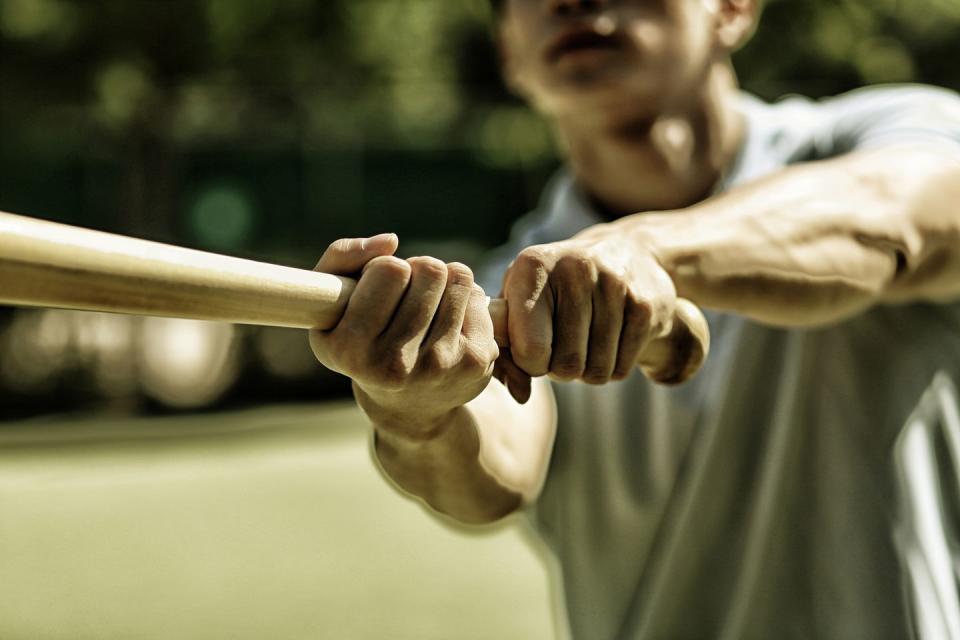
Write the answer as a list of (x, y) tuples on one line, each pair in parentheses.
[(26, 19), (222, 217), (186, 363), (884, 60), (122, 87)]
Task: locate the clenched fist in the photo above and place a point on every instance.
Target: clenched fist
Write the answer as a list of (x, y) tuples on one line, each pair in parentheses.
[(415, 338), (584, 309)]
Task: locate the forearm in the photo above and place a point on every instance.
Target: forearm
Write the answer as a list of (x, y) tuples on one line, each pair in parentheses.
[(818, 242), (476, 463)]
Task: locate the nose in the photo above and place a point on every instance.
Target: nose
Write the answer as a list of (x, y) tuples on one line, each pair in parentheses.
[(574, 7)]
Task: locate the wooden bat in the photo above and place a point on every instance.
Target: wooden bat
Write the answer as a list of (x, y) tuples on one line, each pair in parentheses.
[(45, 264)]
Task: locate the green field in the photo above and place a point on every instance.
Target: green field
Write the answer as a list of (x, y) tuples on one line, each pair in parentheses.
[(272, 523)]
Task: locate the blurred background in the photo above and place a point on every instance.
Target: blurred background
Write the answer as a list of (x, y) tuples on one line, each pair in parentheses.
[(163, 478), (268, 128)]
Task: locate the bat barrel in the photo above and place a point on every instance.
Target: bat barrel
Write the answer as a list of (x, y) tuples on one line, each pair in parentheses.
[(45, 264)]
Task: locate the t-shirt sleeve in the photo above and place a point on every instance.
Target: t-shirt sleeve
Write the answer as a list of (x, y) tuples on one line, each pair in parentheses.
[(562, 213), (883, 116)]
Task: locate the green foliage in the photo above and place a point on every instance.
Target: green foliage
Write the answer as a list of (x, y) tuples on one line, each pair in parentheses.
[(409, 73), (822, 47), (141, 87)]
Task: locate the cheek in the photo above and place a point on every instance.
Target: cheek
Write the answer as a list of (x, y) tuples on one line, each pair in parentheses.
[(650, 39), (523, 71), (520, 52), (697, 24), (689, 46), (663, 53)]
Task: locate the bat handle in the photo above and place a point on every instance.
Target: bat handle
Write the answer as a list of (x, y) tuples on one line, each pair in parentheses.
[(669, 359)]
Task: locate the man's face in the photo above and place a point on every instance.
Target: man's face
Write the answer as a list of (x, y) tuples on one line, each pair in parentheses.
[(570, 55)]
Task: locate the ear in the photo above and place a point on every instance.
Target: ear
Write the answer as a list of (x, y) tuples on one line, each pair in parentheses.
[(736, 21)]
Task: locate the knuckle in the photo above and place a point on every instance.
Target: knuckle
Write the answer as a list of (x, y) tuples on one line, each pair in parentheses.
[(537, 252), (596, 374), (474, 361), (428, 267), (637, 310), (393, 369), (531, 352), (578, 265), (460, 275), (567, 365), (437, 358), (532, 258), (480, 356), (341, 245), (621, 373), (492, 351), (390, 267), (612, 285)]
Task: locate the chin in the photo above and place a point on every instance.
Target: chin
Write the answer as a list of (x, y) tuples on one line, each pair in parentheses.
[(580, 93)]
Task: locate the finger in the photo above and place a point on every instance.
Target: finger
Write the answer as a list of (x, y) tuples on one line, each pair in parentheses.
[(374, 301), (675, 357), (571, 324), (348, 255), (477, 325), (517, 382), (448, 322), (409, 326), (633, 336), (320, 344), (605, 327), (530, 321)]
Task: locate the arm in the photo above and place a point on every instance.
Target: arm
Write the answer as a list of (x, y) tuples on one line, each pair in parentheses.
[(818, 242), (811, 245), (417, 340), (484, 459)]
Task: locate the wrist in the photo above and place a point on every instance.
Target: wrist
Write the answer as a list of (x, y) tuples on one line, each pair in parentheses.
[(399, 417), (668, 237)]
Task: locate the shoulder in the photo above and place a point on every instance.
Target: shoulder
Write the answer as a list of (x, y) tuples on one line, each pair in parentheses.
[(797, 129), (890, 114), (892, 98), (872, 101)]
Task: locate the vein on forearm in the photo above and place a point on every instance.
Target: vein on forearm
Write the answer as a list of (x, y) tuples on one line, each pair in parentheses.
[(821, 241)]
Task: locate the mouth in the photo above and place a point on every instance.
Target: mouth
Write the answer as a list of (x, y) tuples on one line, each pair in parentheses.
[(585, 39)]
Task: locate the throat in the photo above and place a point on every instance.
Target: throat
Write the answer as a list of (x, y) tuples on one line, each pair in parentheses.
[(646, 166), (633, 161)]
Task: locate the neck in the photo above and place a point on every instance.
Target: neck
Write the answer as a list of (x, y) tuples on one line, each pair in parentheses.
[(629, 162)]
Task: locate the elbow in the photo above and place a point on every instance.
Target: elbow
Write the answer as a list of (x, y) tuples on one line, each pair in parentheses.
[(477, 512)]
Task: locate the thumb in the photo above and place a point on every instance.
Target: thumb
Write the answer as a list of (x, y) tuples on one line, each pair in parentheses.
[(515, 379), (348, 255)]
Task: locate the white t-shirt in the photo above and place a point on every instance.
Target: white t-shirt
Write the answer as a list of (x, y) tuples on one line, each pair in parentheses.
[(806, 484)]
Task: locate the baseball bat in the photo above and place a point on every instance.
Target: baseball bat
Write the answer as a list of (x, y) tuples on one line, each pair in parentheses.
[(47, 264)]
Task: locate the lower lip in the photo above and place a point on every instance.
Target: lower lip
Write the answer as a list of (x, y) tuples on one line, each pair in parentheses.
[(584, 53)]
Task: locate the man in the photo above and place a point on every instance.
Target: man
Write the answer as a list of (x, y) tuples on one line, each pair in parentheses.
[(804, 484)]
